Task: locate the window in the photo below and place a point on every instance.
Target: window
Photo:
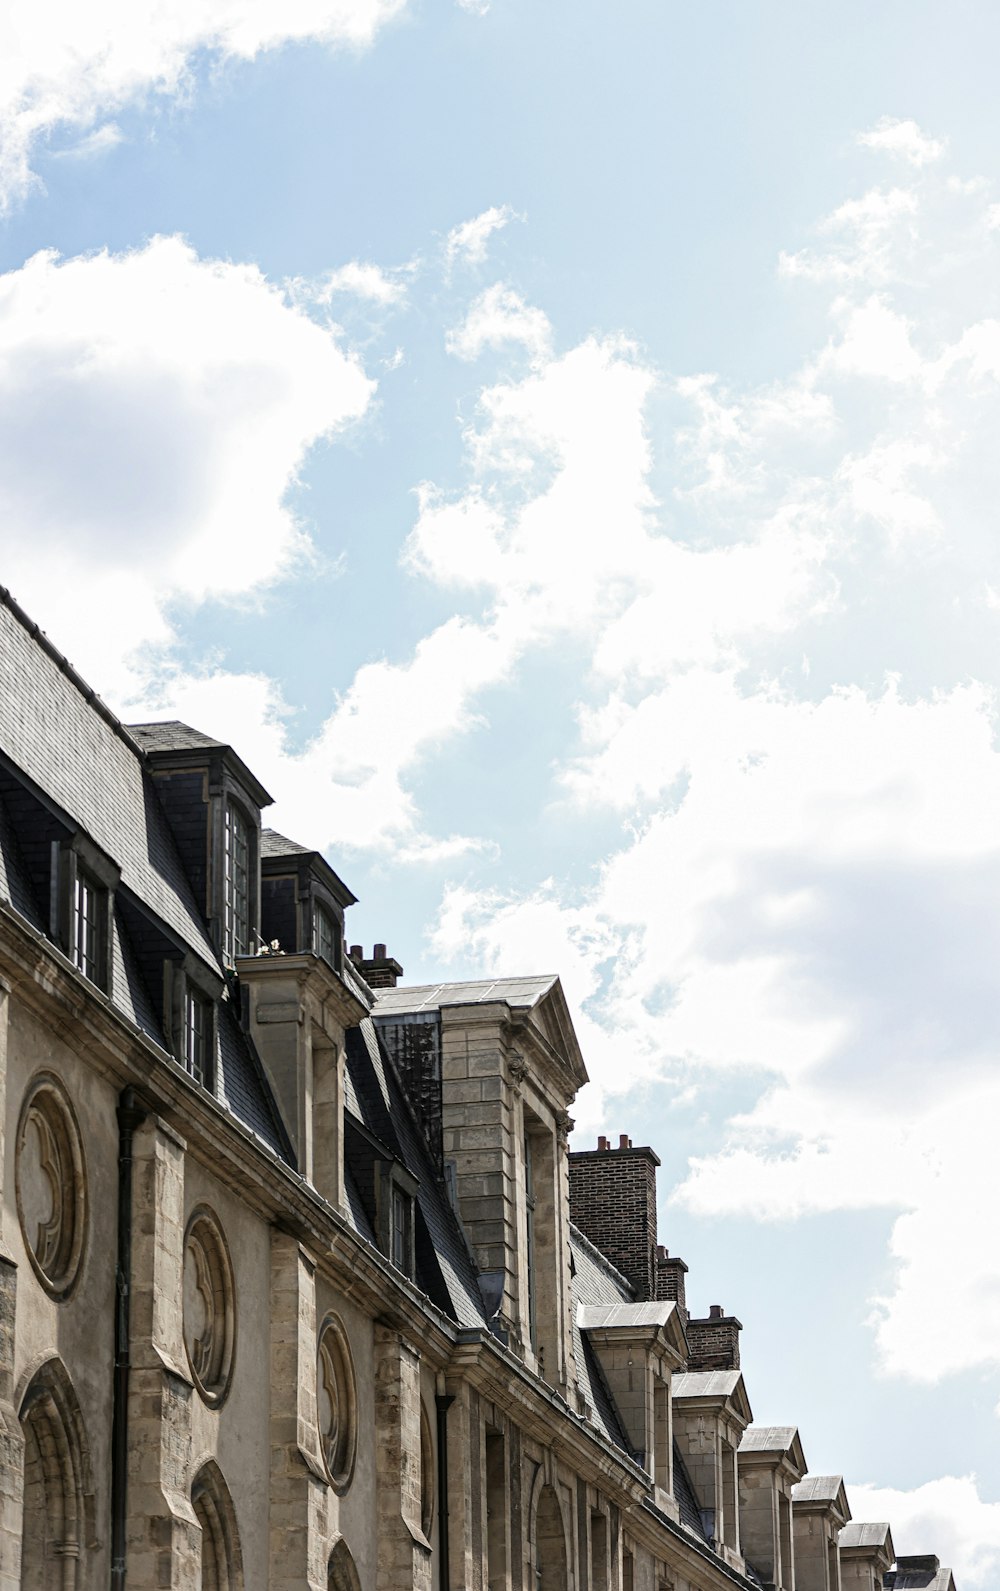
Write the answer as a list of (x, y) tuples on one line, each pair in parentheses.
[(237, 884), (197, 1031), (402, 1231), (86, 937), (529, 1206), (325, 935)]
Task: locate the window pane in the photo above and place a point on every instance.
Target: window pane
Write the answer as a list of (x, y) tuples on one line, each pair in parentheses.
[(196, 1029), (324, 936), (85, 933), (237, 885)]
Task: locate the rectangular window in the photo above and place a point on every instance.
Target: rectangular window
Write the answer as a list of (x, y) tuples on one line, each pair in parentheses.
[(197, 1031), (86, 925), (237, 884), (324, 936), (529, 1207), (402, 1229)]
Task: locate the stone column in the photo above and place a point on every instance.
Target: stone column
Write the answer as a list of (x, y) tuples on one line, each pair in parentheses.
[(163, 1540), (404, 1553), (11, 1440), (299, 1488)]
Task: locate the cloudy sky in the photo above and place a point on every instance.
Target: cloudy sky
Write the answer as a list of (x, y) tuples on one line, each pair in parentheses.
[(556, 444)]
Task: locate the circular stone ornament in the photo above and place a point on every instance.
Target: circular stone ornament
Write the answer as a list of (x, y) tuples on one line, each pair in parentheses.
[(51, 1185), (209, 1306), (337, 1403)]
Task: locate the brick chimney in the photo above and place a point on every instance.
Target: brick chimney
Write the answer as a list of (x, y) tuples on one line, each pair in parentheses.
[(612, 1199), (670, 1273), (381, 971), (714, 1343)]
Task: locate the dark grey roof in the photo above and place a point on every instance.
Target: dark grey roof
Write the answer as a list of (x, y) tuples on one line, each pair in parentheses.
[(375, 1098), (686, 1498), (919, 1574), (173, 736), (595, 1282), (92, 772), (522, 993), (79, 768), (274, 844)]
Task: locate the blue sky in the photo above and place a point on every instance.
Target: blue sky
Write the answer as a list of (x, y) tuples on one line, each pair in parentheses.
[(555, 444)]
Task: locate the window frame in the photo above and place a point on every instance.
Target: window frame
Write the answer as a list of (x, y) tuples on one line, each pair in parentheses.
[(82, 873), (397, 1191), (237, 823), (189, 986)]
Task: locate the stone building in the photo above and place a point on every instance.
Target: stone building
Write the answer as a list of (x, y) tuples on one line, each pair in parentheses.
[(300, 1285)]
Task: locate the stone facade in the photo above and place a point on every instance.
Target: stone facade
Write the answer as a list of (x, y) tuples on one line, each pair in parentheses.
[(300, 1286)]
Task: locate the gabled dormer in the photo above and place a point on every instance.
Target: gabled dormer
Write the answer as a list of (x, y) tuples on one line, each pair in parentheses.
[(213, 804), (494, 1066), (820, 1510), (302, 900), (711, 1413), (640, 1347), (771, 1462), (866, 1555)]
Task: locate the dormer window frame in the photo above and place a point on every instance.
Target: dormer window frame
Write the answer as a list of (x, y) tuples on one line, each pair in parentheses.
[(239, 895), (83, 880), (191, 1019), (396, 1202)]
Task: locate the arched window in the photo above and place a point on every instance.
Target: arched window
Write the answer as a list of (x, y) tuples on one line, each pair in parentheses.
[(341, 1574), (550, 1543), (57, 1514), (221, 1559)]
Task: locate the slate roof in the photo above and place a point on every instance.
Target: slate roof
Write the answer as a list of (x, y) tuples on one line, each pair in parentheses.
[(706, 1383), (374, 1097), (768, 1438), (919, 1574), (863, 1534), (77, 766), (521, 993), (595, 1282), (172, 735)]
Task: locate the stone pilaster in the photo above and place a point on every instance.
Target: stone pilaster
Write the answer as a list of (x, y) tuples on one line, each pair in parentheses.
[(11, 1440), (298, 1501), (163, 1541), (404, 1553)]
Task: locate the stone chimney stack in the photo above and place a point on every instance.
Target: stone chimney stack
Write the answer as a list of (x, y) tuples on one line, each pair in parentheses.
[(670, 1273), (714, 1343), (381, 971), (612, 1199)]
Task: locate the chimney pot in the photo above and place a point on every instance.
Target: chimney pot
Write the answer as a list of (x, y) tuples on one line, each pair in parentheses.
[(378, 954), (357, 952), (624, 1141), (602, 1142), (716, 1312)]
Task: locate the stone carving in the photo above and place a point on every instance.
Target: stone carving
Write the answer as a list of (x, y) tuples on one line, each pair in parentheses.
[(337, 1403), (209, 1306), (51, 1185)]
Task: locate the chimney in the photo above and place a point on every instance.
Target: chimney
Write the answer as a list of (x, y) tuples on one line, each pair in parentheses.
[(612, 1199), (714, 1343), (381, 971), (670, 1273)]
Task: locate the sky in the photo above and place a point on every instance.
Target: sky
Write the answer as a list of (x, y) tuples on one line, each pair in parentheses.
[(555, 445)]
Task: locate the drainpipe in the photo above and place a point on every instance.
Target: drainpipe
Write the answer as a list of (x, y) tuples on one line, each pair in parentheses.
[(130, 1115), (442, 1402)]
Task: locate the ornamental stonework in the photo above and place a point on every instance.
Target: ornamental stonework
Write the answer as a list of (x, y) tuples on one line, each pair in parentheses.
[(209, 1306), (337, 1403), (51, 1184)]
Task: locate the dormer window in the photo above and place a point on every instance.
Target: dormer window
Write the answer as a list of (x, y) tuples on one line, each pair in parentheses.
[(86, 935), (402, 1230), (324, 935), (237, 873), (197, 1031)]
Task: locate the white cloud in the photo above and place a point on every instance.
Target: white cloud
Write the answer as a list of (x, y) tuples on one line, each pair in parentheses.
[(156, 409), (500, 316), (946, 1517), (466, 243), (108, 136), (862, 234), (68, 65), (904, 139), (361, 280)]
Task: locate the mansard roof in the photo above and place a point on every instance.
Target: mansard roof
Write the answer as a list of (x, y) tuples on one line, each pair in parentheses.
[(919, 1574)]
